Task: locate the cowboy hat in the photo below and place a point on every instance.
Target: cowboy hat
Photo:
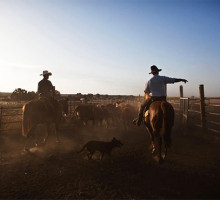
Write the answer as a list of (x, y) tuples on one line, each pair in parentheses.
[(154, 69), (46, 73)]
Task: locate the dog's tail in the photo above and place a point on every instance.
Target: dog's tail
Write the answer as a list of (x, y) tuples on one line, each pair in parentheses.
[(82, 149)]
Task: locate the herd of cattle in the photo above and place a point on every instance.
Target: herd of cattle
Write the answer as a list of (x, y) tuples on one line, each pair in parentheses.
[(109, 115)]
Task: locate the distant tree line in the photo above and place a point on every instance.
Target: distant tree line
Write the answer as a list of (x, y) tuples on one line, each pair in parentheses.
[(23, 95), (20, 94), (90, 96)]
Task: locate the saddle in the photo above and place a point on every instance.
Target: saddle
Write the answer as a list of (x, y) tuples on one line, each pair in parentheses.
[(163, 98), (153, 99)]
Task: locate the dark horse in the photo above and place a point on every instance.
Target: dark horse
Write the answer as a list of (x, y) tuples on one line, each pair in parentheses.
[(43, 111), (159, 122)]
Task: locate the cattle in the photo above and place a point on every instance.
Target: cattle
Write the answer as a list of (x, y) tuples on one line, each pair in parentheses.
[(110, 115), (127, 114), (86, 113)]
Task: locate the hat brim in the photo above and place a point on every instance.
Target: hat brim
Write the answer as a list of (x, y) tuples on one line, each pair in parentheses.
[(49, 74), (155, 71)]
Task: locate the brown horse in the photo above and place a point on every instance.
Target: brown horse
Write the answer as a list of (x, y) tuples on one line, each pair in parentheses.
[(45, 112), (159, 122)]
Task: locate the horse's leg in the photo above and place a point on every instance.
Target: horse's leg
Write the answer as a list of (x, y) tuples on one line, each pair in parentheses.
[(57, 133), (153, 146), (160, 147), (102, 155), (165, 153), (47, 131), (105, 123), (167, 141), (90, 155), (150, 131), (159, 138), (30, 138)]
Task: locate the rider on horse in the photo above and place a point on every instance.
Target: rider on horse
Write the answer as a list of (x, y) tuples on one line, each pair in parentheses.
[(157, 87), (46, 91), (45, 87)]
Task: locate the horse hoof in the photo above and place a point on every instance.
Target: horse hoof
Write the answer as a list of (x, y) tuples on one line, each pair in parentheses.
[(163, 155), (153, 151), (158, 160)]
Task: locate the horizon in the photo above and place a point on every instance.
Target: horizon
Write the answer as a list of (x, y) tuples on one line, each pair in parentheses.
[(94, 94), (107, 47)]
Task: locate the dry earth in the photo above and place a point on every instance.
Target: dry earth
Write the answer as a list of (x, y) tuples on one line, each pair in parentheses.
[(56, 171)]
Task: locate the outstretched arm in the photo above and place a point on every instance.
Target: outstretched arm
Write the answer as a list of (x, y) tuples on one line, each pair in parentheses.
[(180, 80)]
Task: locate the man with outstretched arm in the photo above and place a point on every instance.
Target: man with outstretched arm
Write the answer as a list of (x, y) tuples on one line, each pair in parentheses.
[(156, 86)]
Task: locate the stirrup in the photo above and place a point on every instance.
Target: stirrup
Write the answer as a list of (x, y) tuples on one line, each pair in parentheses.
[(135, 121)]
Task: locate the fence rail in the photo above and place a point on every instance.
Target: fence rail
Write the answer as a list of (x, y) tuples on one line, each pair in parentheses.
[(203, 112), (10, 117)]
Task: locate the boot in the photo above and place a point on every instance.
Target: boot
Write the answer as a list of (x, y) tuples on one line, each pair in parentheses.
[(144, 106), (138, 120)]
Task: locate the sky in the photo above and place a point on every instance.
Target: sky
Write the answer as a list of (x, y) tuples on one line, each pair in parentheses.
[(108, 46)]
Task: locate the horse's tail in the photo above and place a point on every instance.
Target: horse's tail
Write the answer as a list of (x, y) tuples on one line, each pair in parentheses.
[(168, 121), (25, 120)]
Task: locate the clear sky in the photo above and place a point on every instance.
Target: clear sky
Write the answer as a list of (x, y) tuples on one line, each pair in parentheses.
[(108, 46)]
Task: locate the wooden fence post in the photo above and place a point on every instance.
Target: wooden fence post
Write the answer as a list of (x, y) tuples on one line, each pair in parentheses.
[(202, 106), (0, 119), (165, 89), (181, 95), (181, 109), (181, 91)]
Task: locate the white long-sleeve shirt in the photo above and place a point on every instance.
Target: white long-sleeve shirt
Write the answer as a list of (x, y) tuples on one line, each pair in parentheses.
[(157, 84)]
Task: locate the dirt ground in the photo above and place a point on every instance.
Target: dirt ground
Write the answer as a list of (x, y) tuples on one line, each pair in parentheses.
[(56, 171)]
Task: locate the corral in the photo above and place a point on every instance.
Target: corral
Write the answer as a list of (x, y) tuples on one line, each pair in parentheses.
[(56, 171)]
